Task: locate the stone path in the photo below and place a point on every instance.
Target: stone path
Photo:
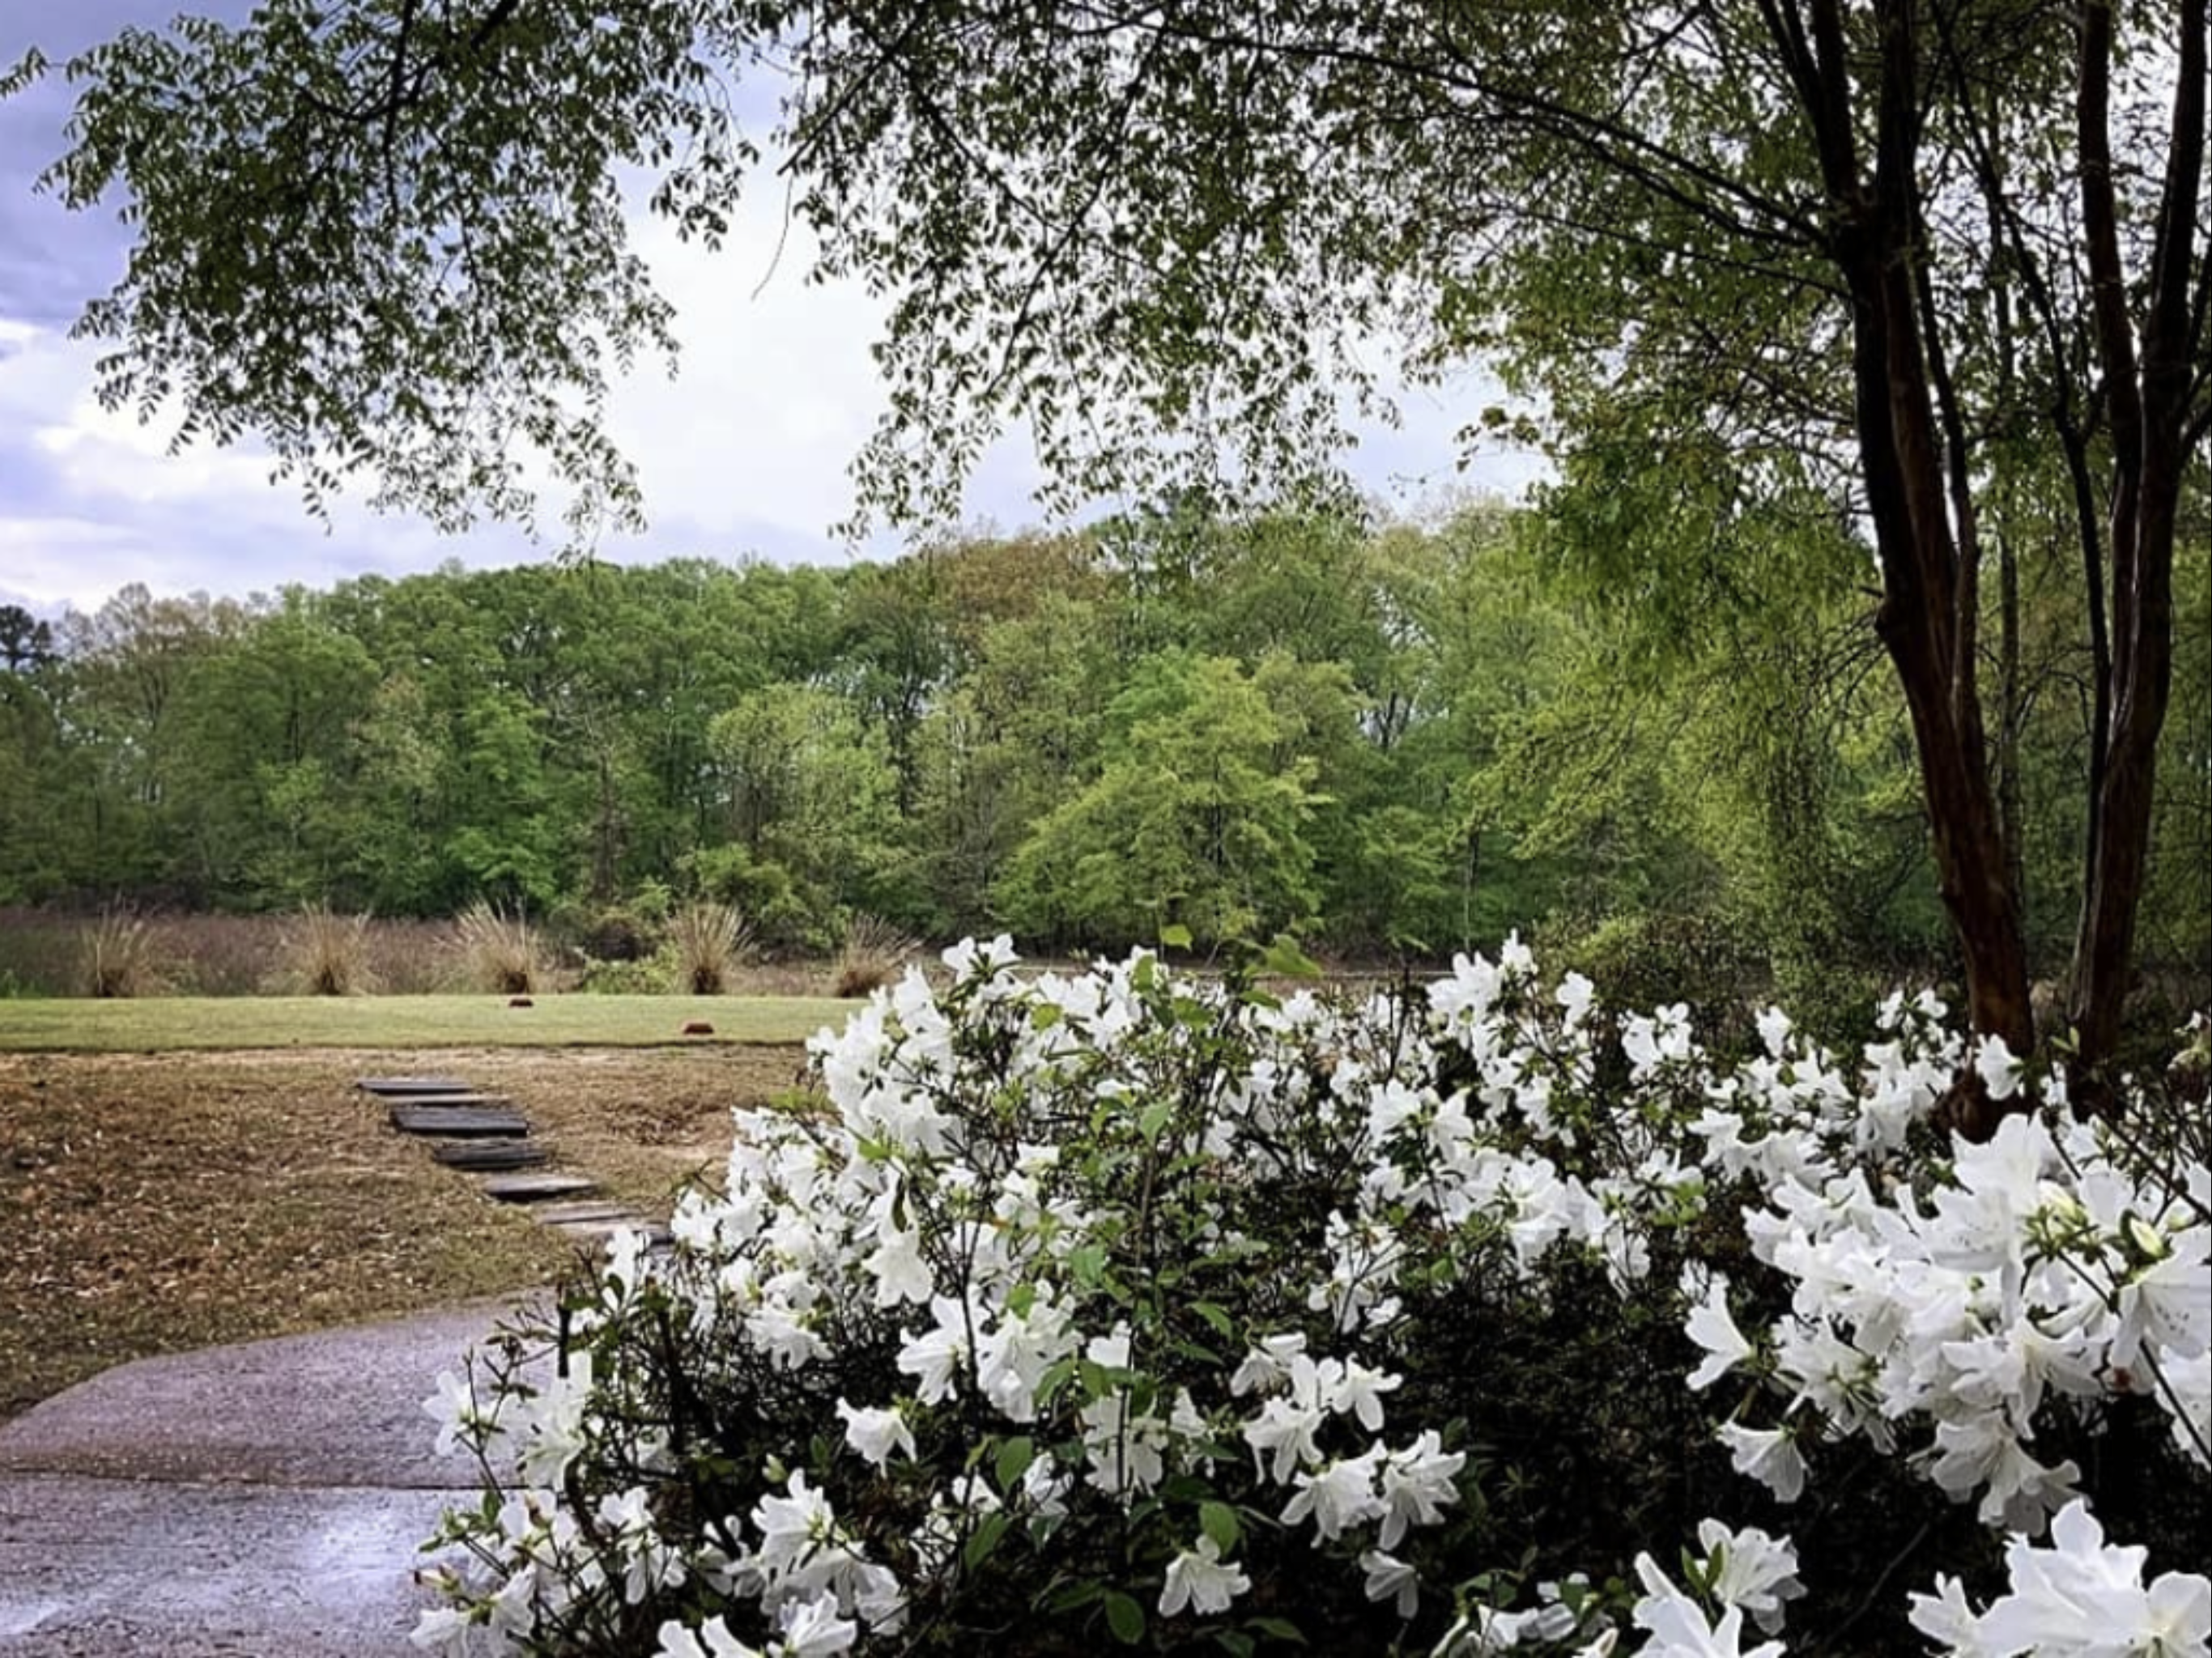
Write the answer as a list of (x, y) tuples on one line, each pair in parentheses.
[(265, 1500), (484, 1134)]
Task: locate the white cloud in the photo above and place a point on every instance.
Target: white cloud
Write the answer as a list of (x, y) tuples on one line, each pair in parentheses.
[(746, 450), (777, 390)]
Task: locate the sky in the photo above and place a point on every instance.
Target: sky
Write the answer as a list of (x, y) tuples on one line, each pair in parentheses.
[(744, 453)]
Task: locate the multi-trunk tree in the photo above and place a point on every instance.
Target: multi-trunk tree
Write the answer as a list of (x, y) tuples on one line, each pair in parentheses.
[(1926, 257)]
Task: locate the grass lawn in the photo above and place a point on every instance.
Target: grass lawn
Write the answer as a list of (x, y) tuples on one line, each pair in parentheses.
[(166, 1024), (153, 1205)]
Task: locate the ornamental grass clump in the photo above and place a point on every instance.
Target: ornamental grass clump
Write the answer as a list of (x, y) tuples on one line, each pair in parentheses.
[(116, 956), (499, 952), (874, 953), (327, 953), (708, 940), (1136, 1309)]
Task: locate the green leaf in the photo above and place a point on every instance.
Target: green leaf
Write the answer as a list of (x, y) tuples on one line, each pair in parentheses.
[(1073, 1597), (1045, 1015), (1218, 1522), (1013, 1462), (1277, 1629), (984, 1539), (1283, 959), (1126, 1618), (1215, 1314), (1155, 1118), (1174, 936)]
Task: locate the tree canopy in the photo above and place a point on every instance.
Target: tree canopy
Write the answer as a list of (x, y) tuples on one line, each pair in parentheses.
[(1935, 268)]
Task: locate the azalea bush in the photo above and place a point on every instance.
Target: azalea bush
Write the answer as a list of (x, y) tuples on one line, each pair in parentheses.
[(1132, 1309)]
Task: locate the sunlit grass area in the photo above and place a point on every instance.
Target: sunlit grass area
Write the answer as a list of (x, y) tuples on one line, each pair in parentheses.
[(169, 1023)]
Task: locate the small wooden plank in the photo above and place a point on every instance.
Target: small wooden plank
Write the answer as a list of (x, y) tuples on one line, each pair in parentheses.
[(536, 1188), (403, 1087), (450, 1102), (489, 1156), (462, 1122)]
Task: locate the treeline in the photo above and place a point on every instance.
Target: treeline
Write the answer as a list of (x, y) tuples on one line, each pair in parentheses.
[(1396, 740)]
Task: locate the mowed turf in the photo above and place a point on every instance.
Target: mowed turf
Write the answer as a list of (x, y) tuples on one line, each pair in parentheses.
[(167, 1023), (154, 1204)]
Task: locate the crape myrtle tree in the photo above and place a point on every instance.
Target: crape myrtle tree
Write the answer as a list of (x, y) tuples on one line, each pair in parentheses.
[(1929, 256)]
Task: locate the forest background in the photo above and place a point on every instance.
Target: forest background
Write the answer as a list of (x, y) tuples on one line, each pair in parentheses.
[(1390, 741)]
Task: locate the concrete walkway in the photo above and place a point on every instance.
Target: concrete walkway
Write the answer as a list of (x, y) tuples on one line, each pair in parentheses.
[(265, 1500)]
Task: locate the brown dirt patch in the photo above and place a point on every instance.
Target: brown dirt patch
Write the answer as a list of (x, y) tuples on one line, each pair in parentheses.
[(155, 1204)]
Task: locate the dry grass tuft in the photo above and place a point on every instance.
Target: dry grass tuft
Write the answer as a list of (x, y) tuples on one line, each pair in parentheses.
[(500, 952), (874, 952), (708, 940), (116, 956), (327, 953)]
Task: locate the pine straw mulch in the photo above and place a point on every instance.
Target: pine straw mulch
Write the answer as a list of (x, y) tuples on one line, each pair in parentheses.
[(152, 1204)]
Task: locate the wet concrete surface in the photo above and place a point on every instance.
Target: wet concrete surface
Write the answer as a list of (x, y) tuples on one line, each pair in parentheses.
[(267, 1498)]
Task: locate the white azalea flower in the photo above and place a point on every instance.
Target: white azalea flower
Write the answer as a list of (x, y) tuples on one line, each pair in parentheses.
[(1286, 1428), (713, 1639), (1013, 1356), (1575, 995), (900, 1274), (1757, 1572), (444, 1628), (812, 1629), (1391, 1579), (1946, 1617), (1342, 1495), (1713, 1327), (1768, 1456), (553, 1430), (2169, 1300), (455, 1409), (1679, 1628), (793, 1527), (874, 1433), (936, 1356), (1352, 1387), (2081, 1596), (1266, 1365), (2000, 1069), (1199, 1579), (1417, 1484)]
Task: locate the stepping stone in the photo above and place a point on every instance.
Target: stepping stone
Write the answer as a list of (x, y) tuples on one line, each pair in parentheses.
[(397, 1087), (461, 1120), (596, 1212), (536, 1188), (490, 1154), (601, 1232)]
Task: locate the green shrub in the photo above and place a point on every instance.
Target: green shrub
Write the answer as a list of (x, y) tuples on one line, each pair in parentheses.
[(646, 978)]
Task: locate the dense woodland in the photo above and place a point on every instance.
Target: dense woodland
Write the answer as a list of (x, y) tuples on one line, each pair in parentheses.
[(1390, 741)]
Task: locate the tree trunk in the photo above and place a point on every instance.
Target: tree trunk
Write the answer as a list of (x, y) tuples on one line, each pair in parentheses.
[(1929, 613), (2147, 412)]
